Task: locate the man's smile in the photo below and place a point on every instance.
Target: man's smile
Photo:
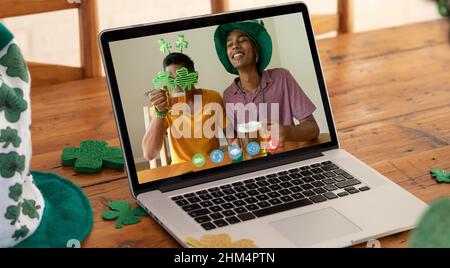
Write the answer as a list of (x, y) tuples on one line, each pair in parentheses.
[(238, 55)]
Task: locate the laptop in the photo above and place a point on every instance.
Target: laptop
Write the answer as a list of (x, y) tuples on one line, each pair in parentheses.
[(277, 175)]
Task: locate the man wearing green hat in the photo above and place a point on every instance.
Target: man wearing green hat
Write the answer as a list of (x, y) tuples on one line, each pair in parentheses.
[(245, 49)]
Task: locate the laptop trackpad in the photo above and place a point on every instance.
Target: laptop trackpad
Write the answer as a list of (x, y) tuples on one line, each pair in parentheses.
[(314, 227)]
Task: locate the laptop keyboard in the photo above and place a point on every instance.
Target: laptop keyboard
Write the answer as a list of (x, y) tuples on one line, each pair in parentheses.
[(262, 196)]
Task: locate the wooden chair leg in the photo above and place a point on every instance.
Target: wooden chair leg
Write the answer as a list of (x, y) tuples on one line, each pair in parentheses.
[(346, 16), (89, 27), (218, 6)]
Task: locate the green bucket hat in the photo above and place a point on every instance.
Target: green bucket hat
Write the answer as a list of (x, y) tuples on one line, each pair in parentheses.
[(256, 31)]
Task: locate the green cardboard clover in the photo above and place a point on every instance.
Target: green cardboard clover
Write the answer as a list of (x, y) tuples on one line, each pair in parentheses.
[(185, 80), (181, 43), (92, 157), (164, 46), (121, 212), (163, 80)]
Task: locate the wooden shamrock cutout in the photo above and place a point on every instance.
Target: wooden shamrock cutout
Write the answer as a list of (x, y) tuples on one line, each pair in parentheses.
[(15, 64), (120, 211), (12, 103), (440, 175), (219, 241), (164, 46), (185, 80), (92, 156), (181, 43)]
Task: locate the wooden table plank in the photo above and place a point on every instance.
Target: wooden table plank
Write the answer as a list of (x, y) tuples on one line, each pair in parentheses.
[(379, 71), (382, 42), (413, 173), (389, 86), (65, 114), (399, 136)]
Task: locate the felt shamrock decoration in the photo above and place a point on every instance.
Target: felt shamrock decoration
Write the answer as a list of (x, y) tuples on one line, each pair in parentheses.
[(120, 211), (163, 80), (92, 156), (12, 102), (15, 64), (181, 43), (185, 80), (440, 175), (219, 241), (9, 136), (164, 46)]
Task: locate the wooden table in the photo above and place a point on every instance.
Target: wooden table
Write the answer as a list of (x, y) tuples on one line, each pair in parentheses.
[(390, 92)]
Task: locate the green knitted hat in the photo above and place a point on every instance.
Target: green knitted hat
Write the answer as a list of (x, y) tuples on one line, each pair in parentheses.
[(255, 30)]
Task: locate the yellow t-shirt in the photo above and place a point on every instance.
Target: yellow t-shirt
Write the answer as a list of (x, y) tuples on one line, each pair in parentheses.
[(182, 149)]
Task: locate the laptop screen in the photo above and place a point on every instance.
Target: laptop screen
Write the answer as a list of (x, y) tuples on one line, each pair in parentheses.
[(220, 95)]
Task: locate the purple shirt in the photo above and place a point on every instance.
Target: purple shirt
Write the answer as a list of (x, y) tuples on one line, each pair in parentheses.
[(277, 86)]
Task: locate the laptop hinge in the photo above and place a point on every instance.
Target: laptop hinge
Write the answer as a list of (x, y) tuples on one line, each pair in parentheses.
[(236, 172)]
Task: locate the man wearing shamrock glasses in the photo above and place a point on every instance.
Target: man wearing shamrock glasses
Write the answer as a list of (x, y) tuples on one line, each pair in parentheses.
[(178, 78)]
